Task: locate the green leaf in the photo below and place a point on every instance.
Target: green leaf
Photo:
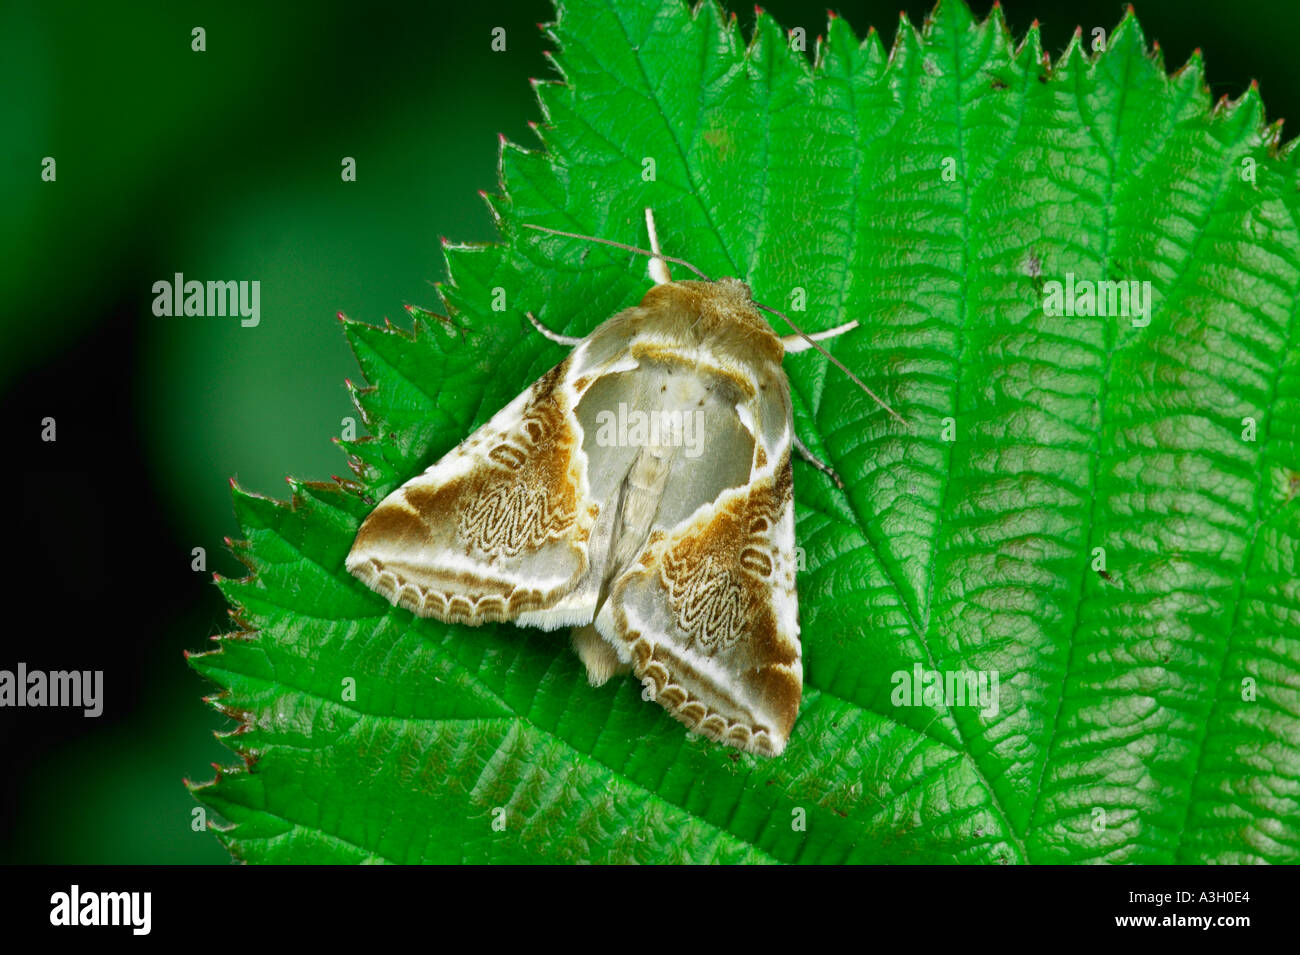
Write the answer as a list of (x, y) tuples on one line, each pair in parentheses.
[(1148, 710)]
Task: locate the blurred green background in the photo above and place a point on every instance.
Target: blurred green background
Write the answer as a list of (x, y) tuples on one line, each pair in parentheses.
[(225, 164)]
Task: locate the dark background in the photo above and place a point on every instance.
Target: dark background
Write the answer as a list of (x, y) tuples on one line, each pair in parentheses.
[(225, 165)]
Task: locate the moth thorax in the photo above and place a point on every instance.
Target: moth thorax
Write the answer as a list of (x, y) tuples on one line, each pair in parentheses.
[(721, 313), (729, 314)]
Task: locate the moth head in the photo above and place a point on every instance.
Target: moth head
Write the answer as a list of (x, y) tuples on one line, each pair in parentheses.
[(725, 305), (734, 288)]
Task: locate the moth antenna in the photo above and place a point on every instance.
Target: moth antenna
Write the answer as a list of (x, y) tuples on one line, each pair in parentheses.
[(658, 267), (834, 361), (619, 245)]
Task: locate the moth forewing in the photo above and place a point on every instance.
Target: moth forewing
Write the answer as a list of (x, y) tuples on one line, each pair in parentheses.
[(640, 492), (497, 527), (705, 608)]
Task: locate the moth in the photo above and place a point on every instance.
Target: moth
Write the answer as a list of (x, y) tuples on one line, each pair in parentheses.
[(639, 492)]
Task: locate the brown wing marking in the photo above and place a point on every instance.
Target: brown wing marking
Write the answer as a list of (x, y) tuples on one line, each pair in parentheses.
[(704, 628), (504, 536)]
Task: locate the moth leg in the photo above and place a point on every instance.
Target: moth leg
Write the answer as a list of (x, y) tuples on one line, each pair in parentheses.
[(553, 336), (597, 655), (797, 343), (658, 267), (816, 462)]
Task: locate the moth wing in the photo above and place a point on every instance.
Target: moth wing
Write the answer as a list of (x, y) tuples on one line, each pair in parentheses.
[(707, 613), (501, 527)]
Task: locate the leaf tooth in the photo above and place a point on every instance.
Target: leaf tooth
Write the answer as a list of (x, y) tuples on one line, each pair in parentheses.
[(838, 32), (548, 29), (241, 550), (768, 39), (348, 485), (536, 129), (546, 91), (1074, 57), (323, 492), (993, 32), (240, 715), (498, 219), (998, 21), (1253, 102), (1158, 58), (503, 146), (755, 47), (1245, 113), (1272, 137), (1029, 54), (726, 25), (953, 16), (1287, 151), (563, 80), (358, 465), (1192, 75), (1127, 37), (874, 47), (836, 51), (907, 42)]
